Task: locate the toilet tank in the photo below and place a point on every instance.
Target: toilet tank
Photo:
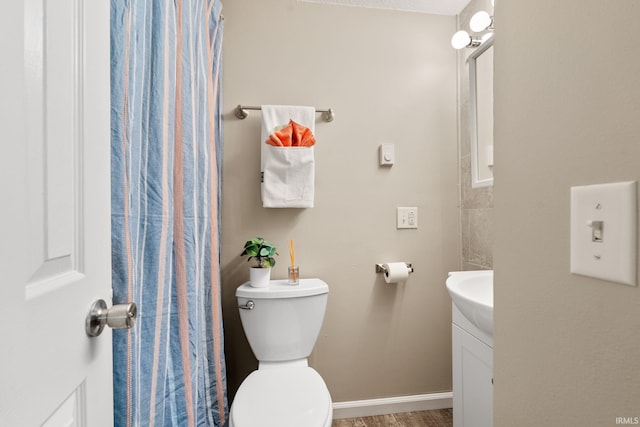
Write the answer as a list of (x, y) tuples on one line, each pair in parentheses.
[(285, 320)]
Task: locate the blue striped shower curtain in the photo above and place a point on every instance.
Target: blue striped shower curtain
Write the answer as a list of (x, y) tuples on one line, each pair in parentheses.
[(169, 370)]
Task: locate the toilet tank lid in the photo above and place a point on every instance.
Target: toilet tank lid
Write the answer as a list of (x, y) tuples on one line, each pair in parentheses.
[(282, 289)]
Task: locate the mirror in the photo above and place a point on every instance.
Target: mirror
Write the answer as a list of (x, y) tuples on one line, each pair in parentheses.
[(481, 111)]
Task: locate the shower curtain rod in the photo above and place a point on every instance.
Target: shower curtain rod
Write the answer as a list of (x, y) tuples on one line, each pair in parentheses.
[(241, 112)]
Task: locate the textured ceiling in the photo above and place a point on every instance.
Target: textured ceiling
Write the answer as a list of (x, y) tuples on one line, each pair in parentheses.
[(440, 7)]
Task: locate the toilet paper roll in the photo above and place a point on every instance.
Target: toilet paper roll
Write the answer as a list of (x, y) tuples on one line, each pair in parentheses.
[(396, 272)]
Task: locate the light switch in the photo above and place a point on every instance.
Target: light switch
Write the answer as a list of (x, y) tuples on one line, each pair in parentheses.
[(407, 217), (387, 154), (604, 231)]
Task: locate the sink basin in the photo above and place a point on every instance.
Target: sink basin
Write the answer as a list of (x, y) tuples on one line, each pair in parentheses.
[(472, 293)]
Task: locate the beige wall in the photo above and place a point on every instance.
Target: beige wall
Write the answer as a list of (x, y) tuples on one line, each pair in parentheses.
[(567, 110), (390, 77), (476, 204)]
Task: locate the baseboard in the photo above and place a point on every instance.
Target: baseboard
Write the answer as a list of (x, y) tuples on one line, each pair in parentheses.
[(392, 405)]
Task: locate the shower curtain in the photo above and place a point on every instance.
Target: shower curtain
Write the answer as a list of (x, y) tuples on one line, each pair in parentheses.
[(169, 370)]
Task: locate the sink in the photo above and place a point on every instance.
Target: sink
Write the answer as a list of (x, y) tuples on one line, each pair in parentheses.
[(472, 294)]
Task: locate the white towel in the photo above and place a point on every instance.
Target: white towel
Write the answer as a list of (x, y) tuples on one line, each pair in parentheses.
[(287, 173)]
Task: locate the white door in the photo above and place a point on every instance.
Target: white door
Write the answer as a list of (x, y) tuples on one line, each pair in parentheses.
[(55, 253)]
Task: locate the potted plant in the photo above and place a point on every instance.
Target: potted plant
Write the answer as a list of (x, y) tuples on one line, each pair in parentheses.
[(263, 252)]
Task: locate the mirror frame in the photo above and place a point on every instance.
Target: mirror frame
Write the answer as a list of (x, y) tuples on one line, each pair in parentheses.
[(473, 115)]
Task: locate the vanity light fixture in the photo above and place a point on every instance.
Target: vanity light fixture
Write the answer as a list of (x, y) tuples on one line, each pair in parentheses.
[(462, 39), (481, 21)]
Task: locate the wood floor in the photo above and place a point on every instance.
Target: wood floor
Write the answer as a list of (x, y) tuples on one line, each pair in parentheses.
[(437, 418)]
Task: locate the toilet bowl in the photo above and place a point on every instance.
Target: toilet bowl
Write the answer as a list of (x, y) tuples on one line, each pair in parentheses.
[(288, 397), (282, 323)]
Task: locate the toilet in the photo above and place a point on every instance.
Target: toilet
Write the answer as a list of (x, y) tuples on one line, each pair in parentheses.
[(282, 323)]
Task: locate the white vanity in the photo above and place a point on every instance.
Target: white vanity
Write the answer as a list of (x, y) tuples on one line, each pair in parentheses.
[(472, 338)]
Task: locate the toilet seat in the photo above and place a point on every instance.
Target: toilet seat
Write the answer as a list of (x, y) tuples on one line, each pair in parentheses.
[(283, 397)]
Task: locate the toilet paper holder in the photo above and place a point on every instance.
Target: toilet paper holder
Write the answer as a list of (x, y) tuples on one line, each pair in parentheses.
[(380, 268)]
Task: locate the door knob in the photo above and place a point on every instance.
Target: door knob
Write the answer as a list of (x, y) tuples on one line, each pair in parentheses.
[(119, 316)]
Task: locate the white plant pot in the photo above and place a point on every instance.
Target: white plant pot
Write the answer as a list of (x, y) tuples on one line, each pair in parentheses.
[(259, 277)]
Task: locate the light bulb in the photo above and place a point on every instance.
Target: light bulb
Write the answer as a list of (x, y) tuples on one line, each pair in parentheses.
[(460, 39), (480, 21)]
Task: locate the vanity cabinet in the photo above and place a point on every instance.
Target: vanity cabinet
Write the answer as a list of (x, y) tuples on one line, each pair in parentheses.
[(472, 374)]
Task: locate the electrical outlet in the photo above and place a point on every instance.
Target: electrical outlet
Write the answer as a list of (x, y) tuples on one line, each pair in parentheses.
[(407, 217)]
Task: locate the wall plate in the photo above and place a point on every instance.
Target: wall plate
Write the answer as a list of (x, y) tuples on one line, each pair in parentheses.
[(387, 154), (407, 217), (604, 231)]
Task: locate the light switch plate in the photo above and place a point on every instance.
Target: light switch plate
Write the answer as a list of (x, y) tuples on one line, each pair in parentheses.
[(387, 154), (604, 231), (407, 217)]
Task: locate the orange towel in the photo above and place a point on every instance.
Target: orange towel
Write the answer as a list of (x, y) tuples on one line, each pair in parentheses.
[(302, 136), (292, 135), (281, 138)]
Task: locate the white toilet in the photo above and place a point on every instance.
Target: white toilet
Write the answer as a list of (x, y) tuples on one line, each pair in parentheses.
[(282, 323)]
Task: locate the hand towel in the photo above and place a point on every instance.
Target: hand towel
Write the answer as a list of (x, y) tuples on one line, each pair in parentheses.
[(287, 172)]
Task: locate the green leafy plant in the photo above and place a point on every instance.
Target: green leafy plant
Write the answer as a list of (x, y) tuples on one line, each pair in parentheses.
[(260, 250)]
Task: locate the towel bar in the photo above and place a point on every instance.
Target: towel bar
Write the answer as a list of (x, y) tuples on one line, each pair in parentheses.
[(241, 112)]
